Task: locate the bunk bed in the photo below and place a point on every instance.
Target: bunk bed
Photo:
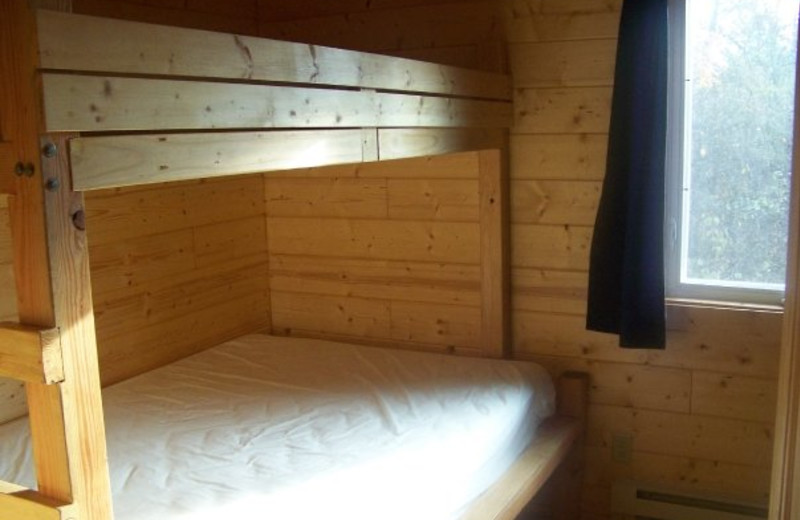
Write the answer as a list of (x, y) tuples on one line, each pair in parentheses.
[(98, 104)]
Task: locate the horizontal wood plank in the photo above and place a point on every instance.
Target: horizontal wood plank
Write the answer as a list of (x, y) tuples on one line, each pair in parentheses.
[(684, 435), (120, 214), (565, 110), (100, 104), (376, 239), (564, 64), (109, 162), (551, 247), (545, 290), (69, 42), (734, 396), (326, 197), (559, 156), (399, 143), (544, 27), (554, 202), (30, 354)]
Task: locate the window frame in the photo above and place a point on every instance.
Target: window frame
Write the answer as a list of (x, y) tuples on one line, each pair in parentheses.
[(676, 235)]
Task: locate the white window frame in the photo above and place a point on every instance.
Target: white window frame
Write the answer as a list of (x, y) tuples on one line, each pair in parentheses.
[(678, 163)]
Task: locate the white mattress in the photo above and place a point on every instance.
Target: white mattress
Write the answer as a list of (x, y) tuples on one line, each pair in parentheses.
[(283, 428)]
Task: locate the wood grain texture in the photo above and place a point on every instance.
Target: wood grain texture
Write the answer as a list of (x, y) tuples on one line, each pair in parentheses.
[(30, 354), (110, 162), (579, 63), (68, 42), (33, 506), (400, 143), (96, 103)]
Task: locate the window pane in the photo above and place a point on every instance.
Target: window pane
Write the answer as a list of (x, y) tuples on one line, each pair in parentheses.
[(740, 100)]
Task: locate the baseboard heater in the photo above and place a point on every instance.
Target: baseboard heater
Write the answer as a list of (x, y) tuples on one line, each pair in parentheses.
[(645, 502)]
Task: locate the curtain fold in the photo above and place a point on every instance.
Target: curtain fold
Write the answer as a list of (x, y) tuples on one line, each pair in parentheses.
[(626, 274)]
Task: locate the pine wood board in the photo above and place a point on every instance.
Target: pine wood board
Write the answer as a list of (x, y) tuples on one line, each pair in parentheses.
[(550, 247), (582, 63), (401, 143), (12, 400), (523, 27), (684, 435), (110, 162), (121, 214), (101, 104), (340, 197), (68, 42), (170, 13), (431, 25), (376, 239), (549, 291), (635, 386), (726, 346), (433, 200), (554, 202), (8, 160), (736, 481), (395, 280), (562, 110), (734, 396), (127, 355), (31, 353), (222, 242), (580, 157)]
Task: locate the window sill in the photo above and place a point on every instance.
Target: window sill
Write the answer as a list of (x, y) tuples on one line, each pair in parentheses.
[(724, 305)]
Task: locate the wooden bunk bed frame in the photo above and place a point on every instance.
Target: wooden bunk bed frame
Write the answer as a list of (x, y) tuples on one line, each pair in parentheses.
[(91, 103)]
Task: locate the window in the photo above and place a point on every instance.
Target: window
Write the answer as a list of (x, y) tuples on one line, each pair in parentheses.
[(729, 155)]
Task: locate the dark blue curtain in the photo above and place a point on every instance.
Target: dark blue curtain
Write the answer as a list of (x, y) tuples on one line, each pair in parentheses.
[(626, 274)]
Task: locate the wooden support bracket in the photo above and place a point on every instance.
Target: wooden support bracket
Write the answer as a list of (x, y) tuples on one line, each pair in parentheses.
[(31, 354)]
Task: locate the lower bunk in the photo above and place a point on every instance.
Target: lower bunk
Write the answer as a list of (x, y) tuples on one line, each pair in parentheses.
[(276, 427)]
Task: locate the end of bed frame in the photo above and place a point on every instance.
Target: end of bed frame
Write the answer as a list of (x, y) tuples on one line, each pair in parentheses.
[(30, 354), (555, 452)]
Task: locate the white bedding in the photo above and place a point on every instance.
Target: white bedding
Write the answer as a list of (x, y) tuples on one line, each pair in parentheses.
[(282, 428)]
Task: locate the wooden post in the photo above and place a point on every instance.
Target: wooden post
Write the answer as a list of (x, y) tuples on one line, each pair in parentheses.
[(785, 493), (495, 275), (53, 287)]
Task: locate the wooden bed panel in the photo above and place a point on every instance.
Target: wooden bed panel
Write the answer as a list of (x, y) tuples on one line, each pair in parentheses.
[(102, 104), (175, 269), (398, 252), (68, 43)]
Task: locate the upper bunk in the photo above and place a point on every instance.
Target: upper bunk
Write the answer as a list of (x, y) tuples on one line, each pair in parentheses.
[(147, 103)]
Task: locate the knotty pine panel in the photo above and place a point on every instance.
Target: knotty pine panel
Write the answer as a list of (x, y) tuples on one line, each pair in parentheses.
[(554, 202), (549, 291), (558, 156), (562, 110), (451, 284), (551, 247), (573, 64)]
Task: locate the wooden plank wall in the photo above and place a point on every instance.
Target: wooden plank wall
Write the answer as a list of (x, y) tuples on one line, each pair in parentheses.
[(388, 252), (176, 268), (700, 413)]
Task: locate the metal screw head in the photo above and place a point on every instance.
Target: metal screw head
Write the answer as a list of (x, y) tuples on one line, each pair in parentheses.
[(50, 150), (52, 184)]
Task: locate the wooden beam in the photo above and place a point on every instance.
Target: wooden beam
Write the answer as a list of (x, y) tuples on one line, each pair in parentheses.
[(401, 143), (30, 354), (785, 491), (70, 42), (494, 254), (94, 104), (30, 505), (106, 162)]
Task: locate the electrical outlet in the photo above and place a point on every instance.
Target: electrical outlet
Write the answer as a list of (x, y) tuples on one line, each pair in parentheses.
[(622, 447)]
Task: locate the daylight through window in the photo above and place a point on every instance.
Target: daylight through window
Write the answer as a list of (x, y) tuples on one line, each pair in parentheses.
[(731, 115)]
